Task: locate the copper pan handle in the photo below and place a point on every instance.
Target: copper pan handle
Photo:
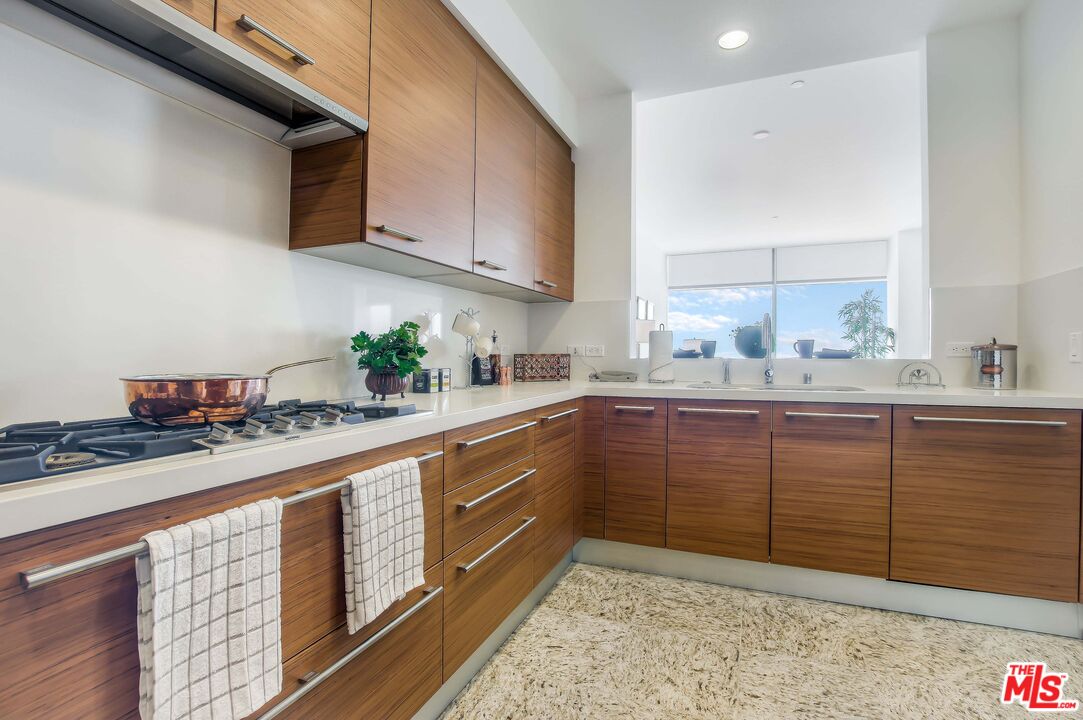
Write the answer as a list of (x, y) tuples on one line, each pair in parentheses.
[(273, 370)]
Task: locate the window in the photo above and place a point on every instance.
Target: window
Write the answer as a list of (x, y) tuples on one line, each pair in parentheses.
[(715, 314), (837, 315)]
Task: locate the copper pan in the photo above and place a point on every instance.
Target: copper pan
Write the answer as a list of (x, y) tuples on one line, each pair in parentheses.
[(199, 398)]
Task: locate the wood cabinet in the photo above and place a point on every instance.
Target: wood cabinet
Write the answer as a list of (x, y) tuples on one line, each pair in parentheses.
[(504, 183), (330, 40), (554, 216), (718, 486), (476, 450), (477, 506), (590, 464), (553, 531), (830, 487), (202, 11), (483, 582), (420, 144), (635, 471), (554, 448), (987, 499)]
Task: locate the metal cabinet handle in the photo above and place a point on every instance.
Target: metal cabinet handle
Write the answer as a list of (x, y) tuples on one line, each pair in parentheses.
[(991, 421), (491, 265), (467, 567), (716, 411), (634, 408), (248, 24), (400, 234), (502, 433), (550, 418), (844, 416), (463, 506), (547, 283)]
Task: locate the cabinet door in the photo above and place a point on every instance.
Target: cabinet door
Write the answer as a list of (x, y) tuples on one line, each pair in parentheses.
[(554, 443), (504, 187), (987, 505), (718, 478), (635, 471), (554, 213), (477, 506), (553, 534), (830, 487), (420, 144), (590, 461), (332, 34), (202, 11)]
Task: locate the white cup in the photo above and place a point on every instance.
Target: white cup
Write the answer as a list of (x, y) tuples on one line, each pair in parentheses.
[(465, 325), (483, 347)]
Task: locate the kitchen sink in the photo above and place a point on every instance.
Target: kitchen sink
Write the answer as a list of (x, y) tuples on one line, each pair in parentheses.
[(753, 386)]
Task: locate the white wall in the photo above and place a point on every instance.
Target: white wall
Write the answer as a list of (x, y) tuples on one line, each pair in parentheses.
[(141, 235)]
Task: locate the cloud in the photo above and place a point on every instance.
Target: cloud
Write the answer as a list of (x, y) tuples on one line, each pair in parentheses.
[(697, 323), (716, 296)]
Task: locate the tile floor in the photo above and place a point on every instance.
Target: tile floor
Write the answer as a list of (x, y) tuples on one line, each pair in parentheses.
[(609, 643)]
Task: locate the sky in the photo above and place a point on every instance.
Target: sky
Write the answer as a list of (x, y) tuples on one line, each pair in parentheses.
[(804, 312)]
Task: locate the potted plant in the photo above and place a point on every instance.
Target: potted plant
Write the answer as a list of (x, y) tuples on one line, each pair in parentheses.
[(865, 329), (748, 340), (390, 358)]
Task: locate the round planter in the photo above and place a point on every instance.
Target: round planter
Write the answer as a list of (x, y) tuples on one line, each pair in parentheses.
[(384, 384), (749, 342)]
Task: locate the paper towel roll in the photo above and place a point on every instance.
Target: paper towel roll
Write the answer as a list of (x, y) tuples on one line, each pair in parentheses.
[(661, 356)]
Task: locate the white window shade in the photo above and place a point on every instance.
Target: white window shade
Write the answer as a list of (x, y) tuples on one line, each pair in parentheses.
[(733, 267), (840, 261)]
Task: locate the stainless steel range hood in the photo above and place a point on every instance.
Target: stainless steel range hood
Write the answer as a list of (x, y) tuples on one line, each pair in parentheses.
[(170, 39)]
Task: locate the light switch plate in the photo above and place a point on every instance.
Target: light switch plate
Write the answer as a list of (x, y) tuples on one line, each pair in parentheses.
[(594, 350), (575, 350), (1075, 347), (959, 349)]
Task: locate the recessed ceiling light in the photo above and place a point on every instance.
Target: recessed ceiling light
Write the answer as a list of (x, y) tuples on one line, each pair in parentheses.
[(797, 83), (761, 134), (732, 40)]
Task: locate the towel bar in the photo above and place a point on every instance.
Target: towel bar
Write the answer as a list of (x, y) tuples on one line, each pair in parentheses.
[(46, 574)]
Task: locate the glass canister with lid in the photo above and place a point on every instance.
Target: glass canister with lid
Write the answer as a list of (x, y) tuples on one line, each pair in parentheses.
[(994, 365)]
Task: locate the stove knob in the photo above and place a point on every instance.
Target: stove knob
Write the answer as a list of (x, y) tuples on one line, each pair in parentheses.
[(308, 420), (253, 428), (283, 424), (220, 433), (332, 416)]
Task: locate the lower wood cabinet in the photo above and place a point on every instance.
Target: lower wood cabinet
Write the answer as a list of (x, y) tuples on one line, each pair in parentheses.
[(476, 450), (718, 486), (987, 499), (831, 486), (476, 507), (553, 534), (635, 471), (590, 464), (484, 582)]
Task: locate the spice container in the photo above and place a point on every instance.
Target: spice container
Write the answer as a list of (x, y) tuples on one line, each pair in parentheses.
[(993, 366)]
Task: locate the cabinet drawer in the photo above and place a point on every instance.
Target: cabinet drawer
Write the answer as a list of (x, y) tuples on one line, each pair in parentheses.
[(323, 43), (635, 471), (830, 487), (718, 487), (987, 499), (553, 534), (477, 506), (554, 445), (477, 450), (484, 582)]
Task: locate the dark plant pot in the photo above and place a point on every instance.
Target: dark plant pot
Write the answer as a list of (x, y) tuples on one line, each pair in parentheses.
[(749, 342), (384, 384)]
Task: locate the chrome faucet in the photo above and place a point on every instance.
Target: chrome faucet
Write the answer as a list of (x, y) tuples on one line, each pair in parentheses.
[(767, 340), (726, 363)]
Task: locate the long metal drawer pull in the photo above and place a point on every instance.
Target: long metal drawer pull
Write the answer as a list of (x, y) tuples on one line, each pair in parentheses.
[(496, 491), (315, 679), (46, 574), (494, 436), (844, 416), (491, 265), (301, 58), (400, 234), (717, 411), (551, 418), (991, 421), (467, 567), (634, 408), (547, 283)]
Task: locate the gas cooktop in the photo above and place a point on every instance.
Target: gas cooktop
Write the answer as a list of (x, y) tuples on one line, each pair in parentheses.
[(43, 449)]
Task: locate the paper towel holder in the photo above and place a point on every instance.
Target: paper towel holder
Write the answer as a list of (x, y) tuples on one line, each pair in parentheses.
[(669, 358)]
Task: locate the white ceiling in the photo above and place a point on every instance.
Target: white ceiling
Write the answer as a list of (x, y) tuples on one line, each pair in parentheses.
[(662, 47), (843, 161)]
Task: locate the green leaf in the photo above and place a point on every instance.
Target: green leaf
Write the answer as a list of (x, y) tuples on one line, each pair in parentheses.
[(396, 350)]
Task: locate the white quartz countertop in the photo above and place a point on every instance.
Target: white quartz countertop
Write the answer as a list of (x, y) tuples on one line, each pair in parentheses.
[(36, 504)]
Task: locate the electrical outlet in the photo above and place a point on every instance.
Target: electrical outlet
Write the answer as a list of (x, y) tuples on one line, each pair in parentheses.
[(575, 349), (594, 350), (1075, 347), (959, 349)]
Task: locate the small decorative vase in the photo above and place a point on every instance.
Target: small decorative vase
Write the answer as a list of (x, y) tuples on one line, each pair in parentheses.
[(384, 384), (749, 342)]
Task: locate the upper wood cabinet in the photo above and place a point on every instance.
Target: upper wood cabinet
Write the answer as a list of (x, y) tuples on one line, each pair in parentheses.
[(202, 11), (420, 182), (504, 185), (718, 486), (987, 499), (635, 471), (554, 216), (323, 43), (830, 487)]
